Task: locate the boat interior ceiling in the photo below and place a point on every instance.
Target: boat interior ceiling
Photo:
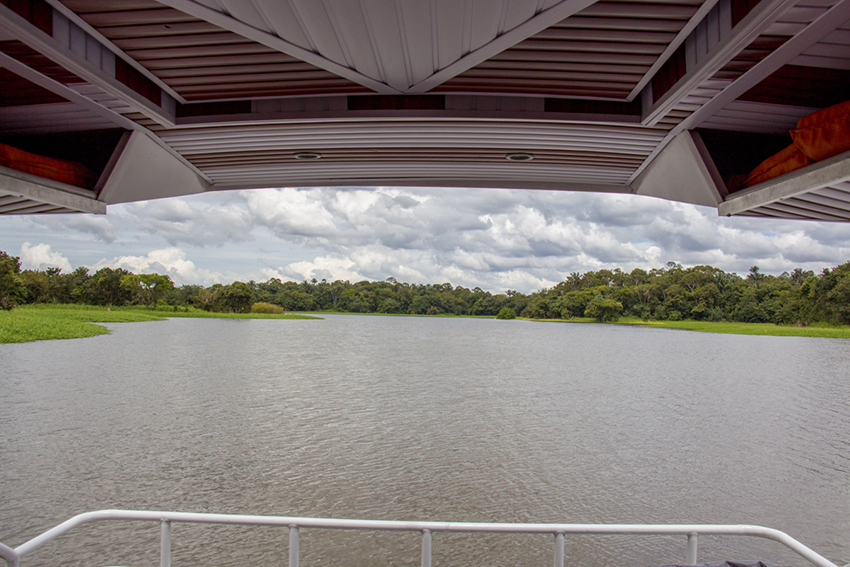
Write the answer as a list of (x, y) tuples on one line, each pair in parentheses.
[(735, 104)]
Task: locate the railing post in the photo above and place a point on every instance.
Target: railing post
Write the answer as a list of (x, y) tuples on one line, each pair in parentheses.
[(559, 550), (691, 558), (426, 548), (9, 555), (293, 546), (164, 543)]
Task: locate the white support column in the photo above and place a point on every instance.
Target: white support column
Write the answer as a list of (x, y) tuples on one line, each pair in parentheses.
[(293, 546), (559, 550), (165, 544), (426, 548), (693, 544)]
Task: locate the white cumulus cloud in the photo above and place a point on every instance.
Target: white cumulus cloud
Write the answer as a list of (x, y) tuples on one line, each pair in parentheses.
[(41, 257), (491, 238), (201, 220), (291, 212), (324, 268), (167, 261)]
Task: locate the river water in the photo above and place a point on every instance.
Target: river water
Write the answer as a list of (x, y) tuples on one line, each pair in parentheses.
[(403, 418)]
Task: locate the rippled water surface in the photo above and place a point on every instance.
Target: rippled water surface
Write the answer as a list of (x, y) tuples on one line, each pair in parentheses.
[(423, 419)]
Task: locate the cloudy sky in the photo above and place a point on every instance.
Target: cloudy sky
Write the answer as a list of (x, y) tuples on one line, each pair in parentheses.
[(493, 239)]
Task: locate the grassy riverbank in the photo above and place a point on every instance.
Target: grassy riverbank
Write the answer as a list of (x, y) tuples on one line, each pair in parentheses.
[(731, 328), (444, 315), (813, 330), (201, 314), (48, 322)]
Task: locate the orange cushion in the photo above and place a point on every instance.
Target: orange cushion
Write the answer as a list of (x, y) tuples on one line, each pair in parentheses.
[(824, 133), (786, 161), (63, 171)]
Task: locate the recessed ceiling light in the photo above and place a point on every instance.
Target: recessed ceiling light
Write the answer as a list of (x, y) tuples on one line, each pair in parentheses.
[(308, 155), (519, 157)]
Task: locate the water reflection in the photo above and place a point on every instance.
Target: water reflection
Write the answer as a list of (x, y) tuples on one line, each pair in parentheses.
[(421, 418)]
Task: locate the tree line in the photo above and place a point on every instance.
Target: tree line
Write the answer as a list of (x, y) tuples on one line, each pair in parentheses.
[(672, 292)]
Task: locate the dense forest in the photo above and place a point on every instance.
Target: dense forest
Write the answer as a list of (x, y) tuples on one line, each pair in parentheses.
[(669, 293)]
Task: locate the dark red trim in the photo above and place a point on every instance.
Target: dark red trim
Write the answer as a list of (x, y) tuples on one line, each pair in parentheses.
[(669, 74), (37, 12), (574, 106), (740, 8), (213, 108), (397, 102), (138, 82)]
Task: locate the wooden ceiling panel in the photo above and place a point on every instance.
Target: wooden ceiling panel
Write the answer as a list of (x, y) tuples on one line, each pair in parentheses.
[(573, 57), (589, 47), (189, 63), (201, 61), (271, 90), (86, 6), (597, 34), (245, 78), (135, 44), (626, 37), (622, 23), (104, 20), (227, 70), (157, 30), (563, 67), (16, 91), (802, 86), (648, 10), (35, 60)]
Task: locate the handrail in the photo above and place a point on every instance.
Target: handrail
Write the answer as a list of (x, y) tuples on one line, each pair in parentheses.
[(692, 531)]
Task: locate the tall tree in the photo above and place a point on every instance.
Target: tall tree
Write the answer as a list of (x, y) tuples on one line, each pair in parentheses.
[(755, 276), (149, 288), (12, 290), (237, 297)]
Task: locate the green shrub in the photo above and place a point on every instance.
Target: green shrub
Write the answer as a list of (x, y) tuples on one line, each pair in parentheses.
[(12, 289), (604, 309), (263, 307), (506, 313)]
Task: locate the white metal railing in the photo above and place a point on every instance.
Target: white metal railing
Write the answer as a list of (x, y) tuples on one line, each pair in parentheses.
[(692, 532)]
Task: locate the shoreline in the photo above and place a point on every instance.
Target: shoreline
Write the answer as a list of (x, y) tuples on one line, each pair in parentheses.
[(56, 322)]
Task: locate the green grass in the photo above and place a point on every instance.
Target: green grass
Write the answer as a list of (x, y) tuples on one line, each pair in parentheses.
[(201, 314), (731, 328), (39, 323), (49, 322), (332, 312), (813, 330)]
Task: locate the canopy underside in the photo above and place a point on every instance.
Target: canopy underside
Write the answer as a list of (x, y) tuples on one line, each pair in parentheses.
[(674, 99)]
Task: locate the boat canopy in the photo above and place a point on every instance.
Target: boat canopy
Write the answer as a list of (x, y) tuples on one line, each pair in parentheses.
[(733, 104)]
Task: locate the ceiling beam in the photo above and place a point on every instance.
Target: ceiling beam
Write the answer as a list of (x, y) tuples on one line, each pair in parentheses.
[(77, 20), (57, 88), (46, 191), (751, 27), (269, 40), (834, 18), (680, 38), (33, 37), (441, 182), (538, 23), (65, 92), (828, 22), (811, 178)]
